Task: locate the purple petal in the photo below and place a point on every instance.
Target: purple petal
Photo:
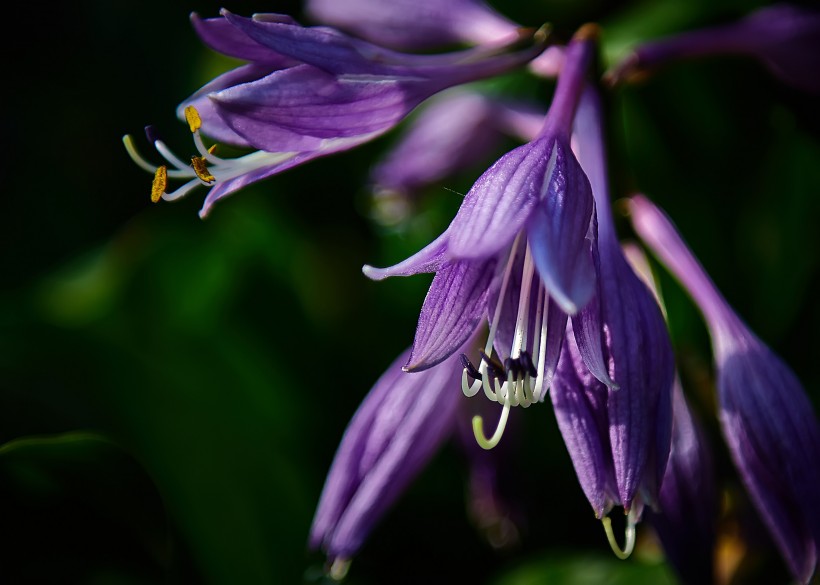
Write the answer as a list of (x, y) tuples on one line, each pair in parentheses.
[(431, 258), (452, 310), (212, 123), (223, 37), (686, 521), (580, 401), (401, 423), (415, 24), (500, 203), (767, 420), (559, 230)]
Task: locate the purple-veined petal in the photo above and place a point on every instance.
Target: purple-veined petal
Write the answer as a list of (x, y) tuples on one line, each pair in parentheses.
[(212, 124), (223, 37), (767, 420), (399, 426), (637, 347), (415, 24), (452, 310), (686, 519), (579, 401), (431, 258), (558, 230)]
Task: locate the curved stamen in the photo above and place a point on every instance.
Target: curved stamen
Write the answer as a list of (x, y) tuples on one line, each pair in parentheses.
[(478, 428), (629, 536)]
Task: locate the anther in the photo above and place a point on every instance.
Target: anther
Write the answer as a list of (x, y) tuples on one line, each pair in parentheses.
[(193, 119), (526, 364), (494, 367), (160, 183), (201, 169), (471, 370)]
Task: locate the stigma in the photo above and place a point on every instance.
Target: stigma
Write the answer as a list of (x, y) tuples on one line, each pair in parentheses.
[(204, 169), (519, 379)]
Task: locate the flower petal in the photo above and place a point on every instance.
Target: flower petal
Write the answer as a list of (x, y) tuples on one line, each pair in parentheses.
[(431, 258), (224, 37), (453, 308)]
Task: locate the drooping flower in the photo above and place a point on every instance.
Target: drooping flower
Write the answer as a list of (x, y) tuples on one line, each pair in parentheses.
[(307, 92), (415, 24), (519, 251), (784, 37), (618, 437), (399, 426), (767, 420), (453, 131)]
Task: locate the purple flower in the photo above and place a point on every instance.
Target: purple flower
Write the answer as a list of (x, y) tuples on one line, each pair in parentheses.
[(520, 250), (767, 419), (618, 437), (305, 93), (415, 24), (785, 38), (452, 132), (399, 426)]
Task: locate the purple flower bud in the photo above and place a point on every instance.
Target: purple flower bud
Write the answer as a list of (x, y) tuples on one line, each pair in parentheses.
[(415, 24), (767, 419), (308, 92), (399, 426), (785, 38)]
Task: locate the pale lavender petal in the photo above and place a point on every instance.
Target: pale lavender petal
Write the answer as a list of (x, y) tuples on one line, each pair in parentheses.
[(549, 63), (431, 258), (686, 519), (223, 37), (559, 230), (212, 124), (580, 401), (415, 24), (500, 202), (452, 310), (767, 420), (400, 425)]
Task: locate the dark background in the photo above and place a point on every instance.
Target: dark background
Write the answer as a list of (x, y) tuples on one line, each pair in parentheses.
[(172, 390)]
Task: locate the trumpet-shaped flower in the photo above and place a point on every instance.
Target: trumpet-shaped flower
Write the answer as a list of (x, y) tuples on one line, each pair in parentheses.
[(618, 437), (415, 24), (520, 250), (784, 37), (307, 92), (767, 419)]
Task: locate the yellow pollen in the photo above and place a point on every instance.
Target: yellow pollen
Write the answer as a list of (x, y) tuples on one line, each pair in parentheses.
[(193, 119), (159, 184), (212, 149), (201, 169)]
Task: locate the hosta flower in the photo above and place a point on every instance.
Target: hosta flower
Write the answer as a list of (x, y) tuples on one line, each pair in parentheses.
[(306, 92), (618, 437), (785, 38), (452, 132), (399, 426), (415, 24), (520, 251), (767, 419)]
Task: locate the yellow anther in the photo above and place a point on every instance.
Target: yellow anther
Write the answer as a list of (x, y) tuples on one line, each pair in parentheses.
[(201, 169), (193, 119), (159, 184), (212, 149)]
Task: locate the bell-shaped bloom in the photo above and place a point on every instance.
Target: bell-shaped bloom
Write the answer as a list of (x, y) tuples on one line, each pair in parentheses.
[(307, 92), (454, 131), (618, 437), (415, 24), (784, 37), (767, 420), (399, 426), (519, 252)]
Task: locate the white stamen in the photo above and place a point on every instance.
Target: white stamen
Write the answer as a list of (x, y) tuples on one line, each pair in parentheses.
[(539, 392), (478, 428), (166, 153)]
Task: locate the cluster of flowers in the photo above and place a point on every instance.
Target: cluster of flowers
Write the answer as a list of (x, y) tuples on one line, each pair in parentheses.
[(531, 264)]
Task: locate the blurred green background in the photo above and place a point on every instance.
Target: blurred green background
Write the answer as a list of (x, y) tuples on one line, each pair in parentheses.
[(172, 390)]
